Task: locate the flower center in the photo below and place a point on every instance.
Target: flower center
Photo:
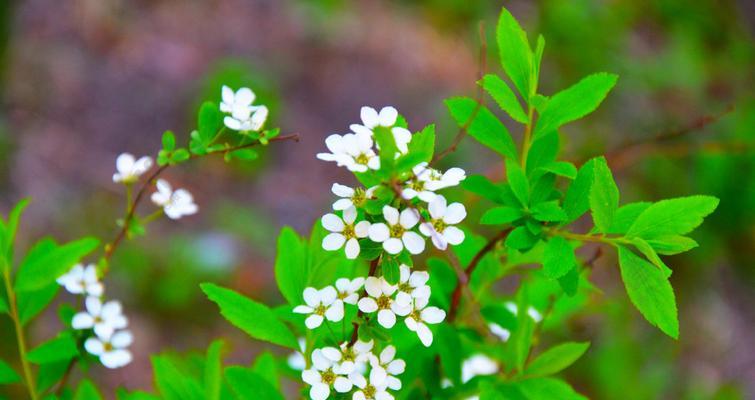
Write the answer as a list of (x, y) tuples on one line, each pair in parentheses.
[(369, 391), (415, 315), (362, 158), (320, 310), (384, 302), (348, 231), (107, 346), (439, 225), (359, 197), (328, 377), (348, 354), (397, 231), (417, 185), (405, 287), (98, 320)]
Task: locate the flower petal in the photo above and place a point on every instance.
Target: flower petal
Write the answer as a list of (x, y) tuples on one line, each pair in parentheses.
[(409, 218), (453, 235), (413, 242), (367, 305), (379, 232), (333, 241), (386, 318), (332, 222), (455, 213), (393, 246), (391, 215), (352, 249)]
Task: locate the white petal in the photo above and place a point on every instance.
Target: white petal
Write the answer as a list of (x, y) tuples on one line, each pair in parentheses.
[(360, 129), (413, 242), (369, 117), (388, 116), (124, 163), (94, 305), (122, 339), (303, 309), (332, 222), (377, 376), (425, 335), (418, 278), (403, 299), (437, 207), (373, 286), (111, 310), (227, 94), (319, 391), (115, 358), (391, 215), (387, 318), (333, 241), (367, 305), (342, 204), (232, 123), (362, 229), (409, 218), (379, 232), (342, 384), (433, 315), (439, 241), (82, 320), (455, 213), (393, 245), (331, 353), (453, 235), (396, 367), (350, 215), (244, 96), (94, 346), (310, 376), (328, 295), (313, 321), (352, 249), (387, 355), (311, 297), (335, 311)]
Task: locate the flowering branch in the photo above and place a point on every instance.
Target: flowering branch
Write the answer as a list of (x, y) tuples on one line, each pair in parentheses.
[(355, 333)]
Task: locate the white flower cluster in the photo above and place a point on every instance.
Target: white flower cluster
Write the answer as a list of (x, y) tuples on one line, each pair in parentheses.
[(354, 368), (129, 169), (111, 338), (175, 203), (243, 115)]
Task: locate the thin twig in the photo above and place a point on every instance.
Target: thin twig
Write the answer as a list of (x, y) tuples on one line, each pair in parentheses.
[(482, 67)]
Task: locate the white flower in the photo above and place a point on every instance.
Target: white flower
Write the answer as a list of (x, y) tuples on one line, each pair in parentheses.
[(420, 316), (130, 169), (344, 231), (380, 300), (411, 285), (386, 118), (351, 197), (322, 377), (82, 280), (435, 180), (374, 389), (353, 358), (347, 289), (531, 311), (176, 204), (440, 228), (111, 349), (476, 365), (244, 116), (353, 151), (104, 318), (320, 304), (501, 332), (397, 234), (390, 367), (296, 359)]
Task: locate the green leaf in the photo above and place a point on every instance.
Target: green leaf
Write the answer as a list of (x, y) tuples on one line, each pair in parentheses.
[(518, 181), (10, 231), (169, 141), (256, 319), (521, 338), (213, 368), (244, 155), (390, 269), (647, 250), (670, 245), (31, 303), (448, 345), (173, 383), (62, 348), (626, 215), (506, 99), (266, 366), (385, 140), (422, 144), (577, 199), (514, 49), (560, 168), (542, 152), (483, 187), (485, 127), (604, 196), (548, 211), (501, 215), (575, 102), (570, 282), (548, 389), (558, 258), (8, 374), (673, 217), (290, 266), (650, 291), (209, 121), (537, 58), (39, 268), (87, 391), (248, 385), (556, 359), (50, 374), (521, 239), (180, 156)]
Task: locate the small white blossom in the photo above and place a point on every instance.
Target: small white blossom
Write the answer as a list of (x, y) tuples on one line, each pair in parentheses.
[(411, 285), (320, 304), (321, 376), (347, 289), (477, 365), (420, 316), (344, 231), (531, 311), (176, 204), (353, 151), (130, 169), (82, 280), (499, 331), (435, 180), (351, 197), (111, 349), (296, 359), (386, 118), (380, 299), (103, 318), (244, 116), (390, 367), (396, 234), (440, 228), (353, 358), (374, 389)]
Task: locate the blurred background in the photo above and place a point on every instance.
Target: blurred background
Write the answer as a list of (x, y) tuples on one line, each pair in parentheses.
[(84, 80)]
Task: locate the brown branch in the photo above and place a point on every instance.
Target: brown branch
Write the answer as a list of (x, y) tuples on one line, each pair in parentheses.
[(482, 67), (463, 279), (355, 333)]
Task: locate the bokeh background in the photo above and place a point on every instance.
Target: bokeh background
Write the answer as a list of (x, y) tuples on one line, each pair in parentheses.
[(83, 80)]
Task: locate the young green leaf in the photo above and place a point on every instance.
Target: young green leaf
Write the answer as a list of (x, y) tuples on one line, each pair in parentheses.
[(673, 244), (501, 215), (570, 282), (62, 348), (485, 127), (266, 366), (213, 368), (558, 258), (422, 144), (548, 211), (502, 94), (548, 389), (169, 141), (518, 181), (10, 231), (248, 385), (482, 187), (521, 338), (604, 196), (650, 291), (40, 267), (542, 151), (290, 266), (87, 391), (450, 357), (209, 121), (31, 303), (256, 319), (7, 374), (537, 59), (577, 199), (560, 168), (514, 49), (574, 102), (521, 239), (626, 215), (173, 383), (673, 217), (556, 359)]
